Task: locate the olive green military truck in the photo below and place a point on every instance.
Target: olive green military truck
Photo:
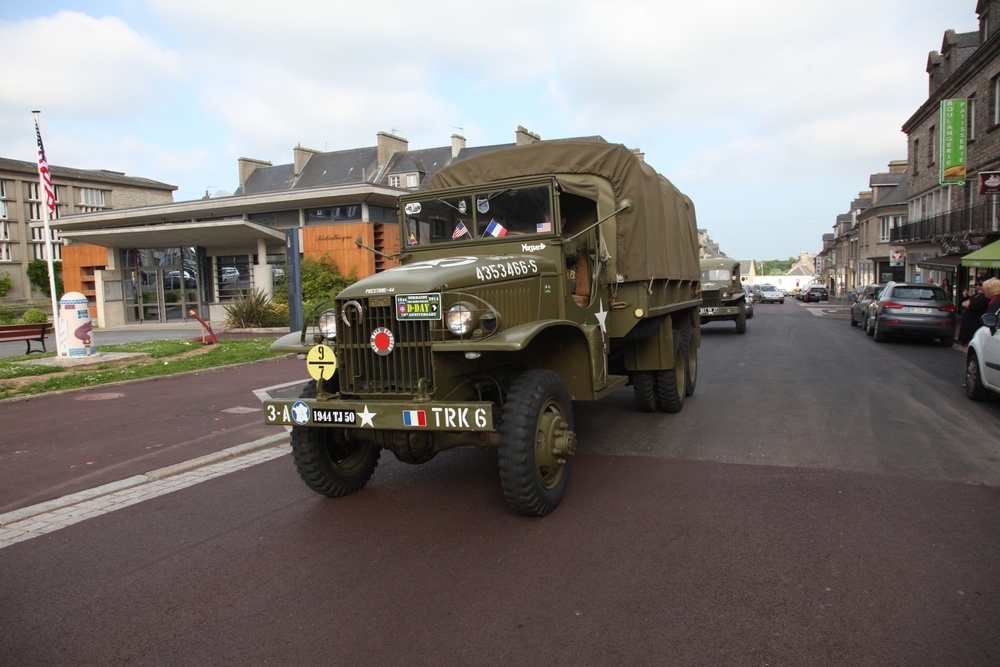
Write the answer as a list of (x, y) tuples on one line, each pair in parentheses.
[(722, 293), (530, 277)]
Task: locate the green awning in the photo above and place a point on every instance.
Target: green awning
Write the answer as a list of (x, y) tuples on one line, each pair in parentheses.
[(987, 257)]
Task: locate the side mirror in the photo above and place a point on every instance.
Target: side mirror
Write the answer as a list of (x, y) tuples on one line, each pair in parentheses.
[(990, 320)]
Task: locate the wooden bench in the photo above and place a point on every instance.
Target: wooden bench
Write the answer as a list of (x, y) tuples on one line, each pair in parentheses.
[(29, 333)]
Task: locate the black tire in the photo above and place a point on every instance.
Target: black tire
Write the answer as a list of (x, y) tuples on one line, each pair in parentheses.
[(741, 319), (868, 326), (671, 384), (690, 360), (853, 323), (782, 302), (974, 388), (879, 335), (328, 461), (645, 392), (536, 442), (947, 341)]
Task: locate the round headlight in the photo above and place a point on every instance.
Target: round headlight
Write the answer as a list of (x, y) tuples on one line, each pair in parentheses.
[(328, 324), (459, 319)]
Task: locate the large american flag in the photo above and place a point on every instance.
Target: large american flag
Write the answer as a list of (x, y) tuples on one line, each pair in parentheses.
[(43, 174)]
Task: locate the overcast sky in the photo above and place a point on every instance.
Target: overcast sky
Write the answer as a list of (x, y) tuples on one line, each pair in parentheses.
[(770, 115)]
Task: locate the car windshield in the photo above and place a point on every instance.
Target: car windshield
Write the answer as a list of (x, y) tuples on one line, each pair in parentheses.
[(714, 275), (486, 214), (768, 288), (919, 293)]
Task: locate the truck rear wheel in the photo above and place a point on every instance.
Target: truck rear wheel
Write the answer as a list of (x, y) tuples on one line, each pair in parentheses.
[(671, 384), (690, 360), (326, 459), (536, 442), (644, 385)]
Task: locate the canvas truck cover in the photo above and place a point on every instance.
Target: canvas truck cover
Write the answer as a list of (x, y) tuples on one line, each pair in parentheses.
[(658, 240)]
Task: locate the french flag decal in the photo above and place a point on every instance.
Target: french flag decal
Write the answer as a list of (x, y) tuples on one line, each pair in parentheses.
[(414, 418)]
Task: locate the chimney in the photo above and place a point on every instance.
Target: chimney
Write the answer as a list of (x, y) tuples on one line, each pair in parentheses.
[(389, 145), (639, 154), (248, 166), (898, 166), (302, 156), (523, 137), (457, 144)]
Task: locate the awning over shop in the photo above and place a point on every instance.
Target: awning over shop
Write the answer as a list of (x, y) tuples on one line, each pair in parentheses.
[(987, 257), (941, 263), (231, 234)]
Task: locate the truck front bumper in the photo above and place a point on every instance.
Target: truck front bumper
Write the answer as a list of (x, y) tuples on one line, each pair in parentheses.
[(382, 415)]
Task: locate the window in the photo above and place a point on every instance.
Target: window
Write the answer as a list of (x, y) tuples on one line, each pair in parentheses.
[(3, 189), (32, 188), (5, 252), (350, 212), (318, 215), (996, 100), (34, 212), (3, 210), (4, 231), (381, 214), (91, 199), (932, 149), (412, 180), (38, 243), (916, 156), (394, 182), (887, 224), (971, 129)]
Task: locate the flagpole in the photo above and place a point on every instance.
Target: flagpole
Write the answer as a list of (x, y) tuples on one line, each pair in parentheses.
[(45, 186)]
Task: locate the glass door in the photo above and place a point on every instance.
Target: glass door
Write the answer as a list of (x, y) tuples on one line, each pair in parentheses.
[(151, 295)]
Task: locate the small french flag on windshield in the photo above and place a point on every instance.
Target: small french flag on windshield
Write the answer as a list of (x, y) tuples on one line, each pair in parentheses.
[(495, 229)]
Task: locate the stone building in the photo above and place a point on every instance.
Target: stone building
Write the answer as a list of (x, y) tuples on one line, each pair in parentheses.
[(948, 220), (22, 234)]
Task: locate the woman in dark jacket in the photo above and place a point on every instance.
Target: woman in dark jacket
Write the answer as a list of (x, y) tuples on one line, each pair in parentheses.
[(972, 309)]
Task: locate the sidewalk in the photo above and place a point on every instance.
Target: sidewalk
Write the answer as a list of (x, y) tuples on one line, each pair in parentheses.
[(65, 443)]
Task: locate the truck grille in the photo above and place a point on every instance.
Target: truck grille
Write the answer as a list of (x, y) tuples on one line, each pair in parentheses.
[(397, 373), (711, 298)]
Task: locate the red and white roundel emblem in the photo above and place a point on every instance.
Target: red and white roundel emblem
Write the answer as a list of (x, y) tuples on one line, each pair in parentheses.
[(382, 341)]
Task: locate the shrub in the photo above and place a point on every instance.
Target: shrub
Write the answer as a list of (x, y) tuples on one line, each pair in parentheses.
[(247, 311), (6, 284), (321, 281), (7, 315), (276, 316), (34, 316)]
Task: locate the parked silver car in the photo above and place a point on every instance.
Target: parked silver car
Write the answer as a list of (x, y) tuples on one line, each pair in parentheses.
[(912, 309), (771, 294), (859, 309)]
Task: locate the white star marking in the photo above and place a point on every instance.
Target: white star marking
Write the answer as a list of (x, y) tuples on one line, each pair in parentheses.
[(366, 417), (602, 316)]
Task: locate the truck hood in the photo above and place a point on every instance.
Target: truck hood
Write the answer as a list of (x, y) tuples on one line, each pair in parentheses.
[(443, 273)]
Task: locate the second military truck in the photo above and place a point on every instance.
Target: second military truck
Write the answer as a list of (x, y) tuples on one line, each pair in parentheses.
[(722, 292), (530, 277)]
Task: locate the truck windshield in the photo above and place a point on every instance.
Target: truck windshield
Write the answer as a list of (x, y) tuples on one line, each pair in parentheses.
[(483, 214), (715, 275)]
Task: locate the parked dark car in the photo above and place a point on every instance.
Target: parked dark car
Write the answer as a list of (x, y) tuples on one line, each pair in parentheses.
[(912, 309), (815, 293), (172, 279), (859, 309)]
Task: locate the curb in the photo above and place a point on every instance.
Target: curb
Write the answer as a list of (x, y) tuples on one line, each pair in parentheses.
[(138, 480)]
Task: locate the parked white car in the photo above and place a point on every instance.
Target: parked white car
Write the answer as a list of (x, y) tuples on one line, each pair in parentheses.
[(982, 361)]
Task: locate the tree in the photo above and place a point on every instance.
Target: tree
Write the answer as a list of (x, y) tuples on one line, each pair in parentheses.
[(38, 274), (6, 284)]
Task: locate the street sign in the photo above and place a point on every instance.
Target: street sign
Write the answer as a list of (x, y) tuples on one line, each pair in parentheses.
[(896, 257)]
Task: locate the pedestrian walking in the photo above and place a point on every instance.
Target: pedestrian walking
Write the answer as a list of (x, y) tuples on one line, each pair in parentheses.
[(972, 310)]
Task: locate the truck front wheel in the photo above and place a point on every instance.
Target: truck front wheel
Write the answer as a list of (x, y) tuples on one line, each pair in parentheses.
[(328, 461), (741, 318), (536, 442)]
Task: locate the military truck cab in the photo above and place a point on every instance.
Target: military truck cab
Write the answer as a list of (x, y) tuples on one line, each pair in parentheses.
[(722, 293), (529, 278)]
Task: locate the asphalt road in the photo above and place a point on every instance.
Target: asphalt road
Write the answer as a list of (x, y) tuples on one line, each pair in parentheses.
[(821, 500)]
